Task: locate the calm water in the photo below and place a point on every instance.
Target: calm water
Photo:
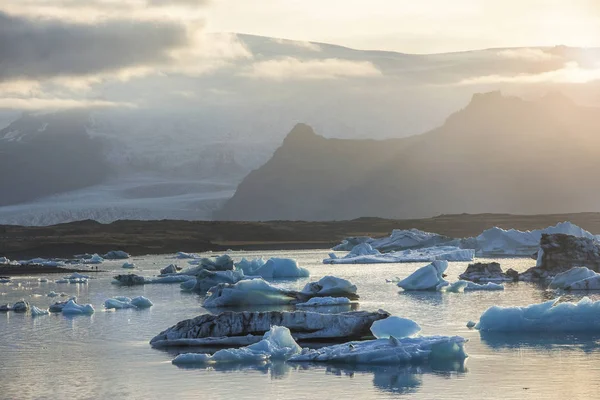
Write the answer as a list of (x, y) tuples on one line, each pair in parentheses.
[(107, 355)]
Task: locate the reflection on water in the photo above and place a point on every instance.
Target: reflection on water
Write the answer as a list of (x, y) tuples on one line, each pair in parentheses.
[(586, 342)]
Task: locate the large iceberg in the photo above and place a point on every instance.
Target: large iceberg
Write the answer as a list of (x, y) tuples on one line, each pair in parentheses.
[(499, 242), (243, 328), (277, 343), (400, 239), (428, 277), (394, 326), (274, 268), (391, 351), (550, 316), (365, 254)]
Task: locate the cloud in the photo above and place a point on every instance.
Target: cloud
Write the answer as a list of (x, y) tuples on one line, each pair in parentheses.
[(570, 73), (526, 54), (40, 103), (290, 68), (42, 49)]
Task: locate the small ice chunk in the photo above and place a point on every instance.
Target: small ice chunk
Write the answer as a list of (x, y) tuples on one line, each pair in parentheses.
[(72, 308), (117, 304), (116, 255), (471, 324), (428, 277), (325, 301), (94, 259), (38, 311), (169, 269), (141, 302), (188, 285), (394, 326), (21, 306), (128, 265)]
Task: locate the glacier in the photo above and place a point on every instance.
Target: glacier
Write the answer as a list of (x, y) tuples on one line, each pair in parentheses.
[(391, 351), (550, 316), (277, 343), (365, 254)]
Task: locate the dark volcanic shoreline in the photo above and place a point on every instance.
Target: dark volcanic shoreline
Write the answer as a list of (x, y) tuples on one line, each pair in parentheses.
[(169, 236), (13, 270)]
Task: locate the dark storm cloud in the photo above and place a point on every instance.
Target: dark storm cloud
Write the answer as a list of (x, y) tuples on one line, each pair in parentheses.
[(36, 49)]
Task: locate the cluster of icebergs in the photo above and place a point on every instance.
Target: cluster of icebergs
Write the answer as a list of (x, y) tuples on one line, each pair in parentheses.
[(415, 245)]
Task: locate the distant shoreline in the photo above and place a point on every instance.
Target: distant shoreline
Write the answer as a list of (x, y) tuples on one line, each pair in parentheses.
[(169, 236), (15, 270)]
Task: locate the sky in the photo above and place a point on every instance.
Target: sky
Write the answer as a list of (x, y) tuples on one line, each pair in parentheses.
[(53, 53), (424, 26)]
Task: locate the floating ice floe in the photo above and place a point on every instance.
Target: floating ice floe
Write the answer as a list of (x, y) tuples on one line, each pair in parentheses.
[(207, 279), (248, 292), (129, 265), (325, 302), (133, 279), (4, 261), (465, 286), (5, 308), (570, 278), (94, 259), (277, 343), (54, 294), (394, 326), (183, 255), (550, 316), (499, 242), (400, 239), (35, 312), (169, 269), (365, 254), (274, 268), (72, 308), (391, 351), (488, 272), (243, 328), (43, 280), (122, 302), (21, 306), (220, 263), (75, 277), (43, 262), (188, 285), (5, 280), (331, 286), (116, 255), (428, 277)]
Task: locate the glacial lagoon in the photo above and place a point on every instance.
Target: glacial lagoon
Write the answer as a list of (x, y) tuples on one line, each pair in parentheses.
[(107, 355)]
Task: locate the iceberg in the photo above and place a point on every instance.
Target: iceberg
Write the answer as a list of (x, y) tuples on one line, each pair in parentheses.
[(4, 261), (116, 255), (274, 268), (128, 265), (169, 269), (568, 278), (486, 286), (121, 302), (392, 351), (325, 302), (277, 343), (488, 272), (242, 328), (248, 292), (331, 286), (72, 308), (43, 262), (182, 255), (188, 285), (550, 316), (592, 283), (208, 279), (35, 312), (5, 280), (21, 306), (499, 242), (53, 294), (365, 254), (221, 263), (133, 279), (5, 308), (428, 277), (394, 326), (400, 239), (94, 259)]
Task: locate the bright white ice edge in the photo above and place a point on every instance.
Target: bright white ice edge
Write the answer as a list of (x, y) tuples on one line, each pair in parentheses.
[(430, 278), (550, 316), (364, 253), (325, 301), (491, 242)]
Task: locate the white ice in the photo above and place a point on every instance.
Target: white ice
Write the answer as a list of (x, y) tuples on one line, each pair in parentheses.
[(392, 351), (465, 286), (330, 286), (246, 292), (121, 302), (128, 265), (497, 241), (274, 268), (72, 308), (394, 326), (570, 277), (550, 316), (277, 343), (95, 259), (364, 253), (325, 302), (428, 277), (38, 311)]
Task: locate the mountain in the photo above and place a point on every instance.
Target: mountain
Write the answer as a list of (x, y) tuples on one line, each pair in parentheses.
[(500, 154)]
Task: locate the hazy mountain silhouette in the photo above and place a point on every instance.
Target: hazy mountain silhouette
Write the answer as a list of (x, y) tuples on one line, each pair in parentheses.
[(499, 154)]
